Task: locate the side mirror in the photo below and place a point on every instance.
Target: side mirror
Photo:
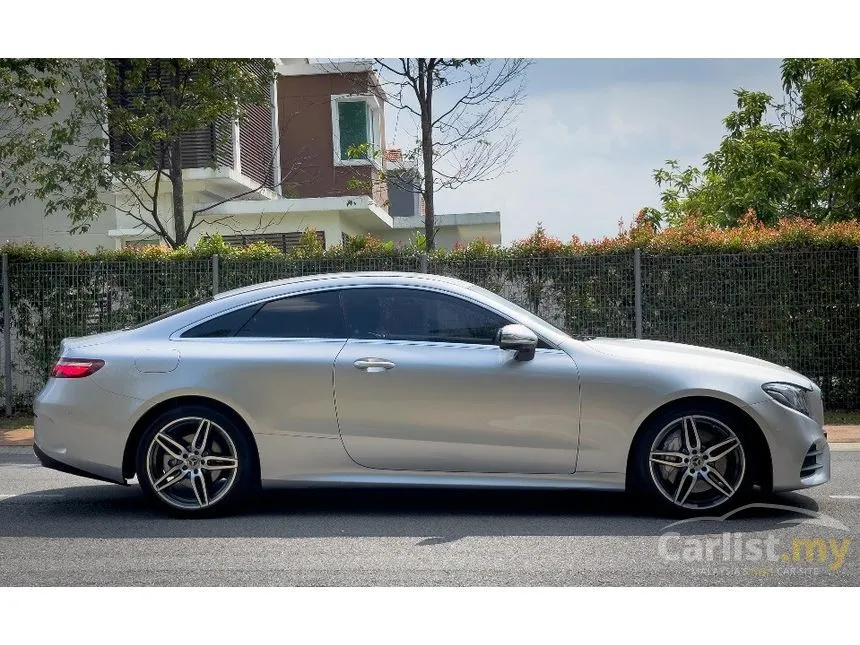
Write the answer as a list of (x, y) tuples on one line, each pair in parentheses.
[(520, 339)]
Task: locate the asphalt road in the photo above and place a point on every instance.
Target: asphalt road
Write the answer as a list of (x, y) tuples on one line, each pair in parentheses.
[(58, 529)]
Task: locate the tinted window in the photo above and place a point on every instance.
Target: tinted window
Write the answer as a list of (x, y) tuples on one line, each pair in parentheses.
[(412, 314), (314, 315), (222, 326)]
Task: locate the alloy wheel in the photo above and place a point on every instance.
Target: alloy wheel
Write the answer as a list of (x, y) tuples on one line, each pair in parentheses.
[(192, 463), (697, 462)]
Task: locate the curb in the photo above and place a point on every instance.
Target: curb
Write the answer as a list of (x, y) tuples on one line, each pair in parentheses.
[(18, 437), (843, 434)]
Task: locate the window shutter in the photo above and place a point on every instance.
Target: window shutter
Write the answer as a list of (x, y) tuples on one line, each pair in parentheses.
[(205, 147), (255, 137), (281, 241)]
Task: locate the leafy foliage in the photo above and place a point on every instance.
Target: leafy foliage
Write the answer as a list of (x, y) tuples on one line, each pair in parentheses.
[(150, 104), (50, 150), (825, 93), (309, 244), (119, 135), (780, 159)]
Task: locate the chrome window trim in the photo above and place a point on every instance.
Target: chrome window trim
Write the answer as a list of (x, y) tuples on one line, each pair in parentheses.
[(433, 343), (266, 339)]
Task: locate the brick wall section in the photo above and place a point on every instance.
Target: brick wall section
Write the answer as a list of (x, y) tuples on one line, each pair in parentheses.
[(305, 130)]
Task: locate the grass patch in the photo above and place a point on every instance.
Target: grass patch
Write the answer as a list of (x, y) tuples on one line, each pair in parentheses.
[(16, 423), (842, 417)]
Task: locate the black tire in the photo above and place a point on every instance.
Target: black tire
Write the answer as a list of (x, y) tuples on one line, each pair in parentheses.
[(693, 482), (196, 481)]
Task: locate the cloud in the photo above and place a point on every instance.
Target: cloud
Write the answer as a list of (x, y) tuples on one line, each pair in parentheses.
[(586, 156)]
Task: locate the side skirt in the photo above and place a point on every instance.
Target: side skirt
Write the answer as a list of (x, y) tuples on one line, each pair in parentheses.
[(578, 481)]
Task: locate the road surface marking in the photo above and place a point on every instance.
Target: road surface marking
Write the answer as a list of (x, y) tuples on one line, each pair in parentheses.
[(845, 497), (32, 495)]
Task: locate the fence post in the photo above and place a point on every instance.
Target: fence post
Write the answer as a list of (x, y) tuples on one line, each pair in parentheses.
[(637, 287), (422, 262), (7, 338), (215, 275)]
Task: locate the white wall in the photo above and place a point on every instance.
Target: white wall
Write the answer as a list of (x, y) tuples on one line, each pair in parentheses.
[(26, 222), (447, 236)]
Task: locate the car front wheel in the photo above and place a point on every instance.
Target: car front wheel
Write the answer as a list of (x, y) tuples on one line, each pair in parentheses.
[(696, 461), (194, 461)]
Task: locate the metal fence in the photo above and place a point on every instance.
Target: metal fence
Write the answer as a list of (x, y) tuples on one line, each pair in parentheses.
[(796, 308)]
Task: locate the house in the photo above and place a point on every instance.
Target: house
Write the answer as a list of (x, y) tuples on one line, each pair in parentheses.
[(304, 146)]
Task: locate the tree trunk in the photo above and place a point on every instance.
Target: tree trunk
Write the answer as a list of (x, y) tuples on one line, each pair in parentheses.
[(425, 100), (429, 212), (179, 232)]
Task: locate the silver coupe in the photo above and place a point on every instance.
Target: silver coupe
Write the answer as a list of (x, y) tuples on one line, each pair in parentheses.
[(414, 379)]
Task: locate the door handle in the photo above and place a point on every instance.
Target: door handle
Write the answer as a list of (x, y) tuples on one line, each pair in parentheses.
[(373, 364)]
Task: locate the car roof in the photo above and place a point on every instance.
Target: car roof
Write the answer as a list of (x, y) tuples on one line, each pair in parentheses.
[(346, 278)]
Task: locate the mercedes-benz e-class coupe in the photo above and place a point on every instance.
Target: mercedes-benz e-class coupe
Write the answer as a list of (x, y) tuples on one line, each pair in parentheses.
[(414, 379)]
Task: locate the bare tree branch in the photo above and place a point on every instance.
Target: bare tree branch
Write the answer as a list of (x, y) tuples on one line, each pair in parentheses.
[(156, 227), (465, 110)]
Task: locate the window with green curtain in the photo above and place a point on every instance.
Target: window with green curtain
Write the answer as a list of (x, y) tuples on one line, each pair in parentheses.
[(352, 122)]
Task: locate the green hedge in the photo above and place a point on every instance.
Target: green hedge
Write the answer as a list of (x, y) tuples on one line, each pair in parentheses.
[(792, 297)]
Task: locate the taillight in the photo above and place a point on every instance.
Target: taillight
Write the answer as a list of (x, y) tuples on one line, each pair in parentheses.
[(76, 367)]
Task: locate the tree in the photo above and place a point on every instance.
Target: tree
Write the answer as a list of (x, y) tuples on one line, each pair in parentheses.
[(123, 135), (752, 168), (464, 110), (824, 97), (151, 104), (800, 156), (45, 147)]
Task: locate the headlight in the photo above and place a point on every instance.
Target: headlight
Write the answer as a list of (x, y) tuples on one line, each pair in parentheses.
[(792, 396)]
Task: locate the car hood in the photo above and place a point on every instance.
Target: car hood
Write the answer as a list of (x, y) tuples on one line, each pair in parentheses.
[(661, 352)]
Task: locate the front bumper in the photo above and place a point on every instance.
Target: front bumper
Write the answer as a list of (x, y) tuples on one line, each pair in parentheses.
[(800, 454)]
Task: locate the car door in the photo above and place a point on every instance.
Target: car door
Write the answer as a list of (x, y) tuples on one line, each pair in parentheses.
[(275, 358), (420, 385)]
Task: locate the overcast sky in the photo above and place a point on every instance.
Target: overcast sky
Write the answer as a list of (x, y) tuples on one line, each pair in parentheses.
[(592, 131)]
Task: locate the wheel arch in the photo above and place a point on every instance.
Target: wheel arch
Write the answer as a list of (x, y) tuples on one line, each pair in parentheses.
[(764, 463), (128, 459)]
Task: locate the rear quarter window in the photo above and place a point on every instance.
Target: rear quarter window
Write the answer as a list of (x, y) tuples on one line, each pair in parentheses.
[(311, 315), (223, 326)]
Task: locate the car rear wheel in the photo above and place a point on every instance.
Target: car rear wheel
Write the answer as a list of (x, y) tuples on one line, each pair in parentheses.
[(194, 461), (695, 462)]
